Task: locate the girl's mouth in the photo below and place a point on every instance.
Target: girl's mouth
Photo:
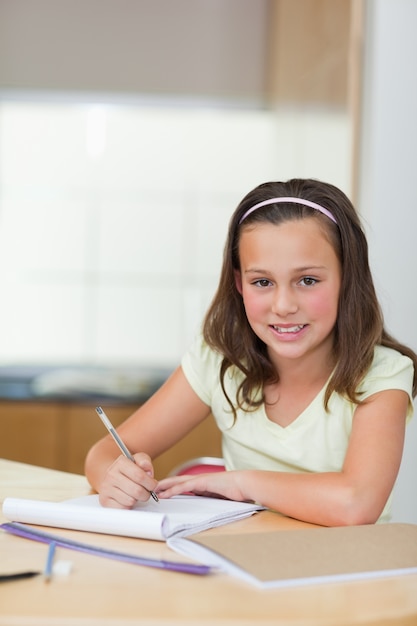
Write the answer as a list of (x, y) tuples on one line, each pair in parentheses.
[(289, 329)]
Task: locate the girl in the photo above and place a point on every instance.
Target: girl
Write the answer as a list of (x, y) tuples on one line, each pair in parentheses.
[(310, 392)]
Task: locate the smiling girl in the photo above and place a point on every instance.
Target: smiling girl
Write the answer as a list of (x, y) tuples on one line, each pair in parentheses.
[(310, 392)]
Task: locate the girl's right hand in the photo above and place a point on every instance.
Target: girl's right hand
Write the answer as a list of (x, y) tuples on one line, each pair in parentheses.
[(126, 483)]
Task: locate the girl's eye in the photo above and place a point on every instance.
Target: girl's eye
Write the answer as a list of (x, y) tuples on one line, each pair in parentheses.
[(308, 281), (262, 282)]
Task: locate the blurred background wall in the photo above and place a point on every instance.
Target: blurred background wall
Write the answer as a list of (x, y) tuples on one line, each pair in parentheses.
[(129, 131)]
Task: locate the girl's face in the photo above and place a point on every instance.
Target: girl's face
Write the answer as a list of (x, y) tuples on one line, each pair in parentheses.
[(290, 280)]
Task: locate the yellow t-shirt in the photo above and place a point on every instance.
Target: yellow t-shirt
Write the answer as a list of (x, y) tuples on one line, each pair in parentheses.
[(315, 442)]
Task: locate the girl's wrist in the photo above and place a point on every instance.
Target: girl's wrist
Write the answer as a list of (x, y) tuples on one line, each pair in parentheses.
[(244, 479)]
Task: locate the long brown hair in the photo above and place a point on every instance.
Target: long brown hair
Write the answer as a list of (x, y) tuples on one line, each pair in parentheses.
[(359, 326)]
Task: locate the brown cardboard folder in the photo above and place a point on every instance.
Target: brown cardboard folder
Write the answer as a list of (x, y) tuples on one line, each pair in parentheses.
[(306, 556)]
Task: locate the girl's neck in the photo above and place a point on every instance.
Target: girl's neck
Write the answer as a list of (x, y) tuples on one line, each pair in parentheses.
[(309, 370)]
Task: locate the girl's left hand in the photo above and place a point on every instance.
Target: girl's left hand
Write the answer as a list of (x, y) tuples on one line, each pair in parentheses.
[(215, 484)]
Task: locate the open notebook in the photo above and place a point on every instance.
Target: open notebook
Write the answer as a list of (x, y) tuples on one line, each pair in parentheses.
[(178, 516)]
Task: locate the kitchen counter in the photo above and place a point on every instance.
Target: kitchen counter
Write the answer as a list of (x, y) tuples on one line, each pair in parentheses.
[(80, 383), (47, 414)]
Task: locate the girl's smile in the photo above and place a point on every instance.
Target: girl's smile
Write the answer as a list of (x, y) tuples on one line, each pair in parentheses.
[(289, 279), (289, 333)]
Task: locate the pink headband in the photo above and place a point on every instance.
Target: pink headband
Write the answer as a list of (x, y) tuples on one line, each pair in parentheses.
[(312, 205)]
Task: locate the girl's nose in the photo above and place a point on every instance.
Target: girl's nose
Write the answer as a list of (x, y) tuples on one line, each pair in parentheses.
[(284, 302)]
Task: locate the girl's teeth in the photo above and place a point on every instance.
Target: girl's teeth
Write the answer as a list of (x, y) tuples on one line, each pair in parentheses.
[(291, 329)]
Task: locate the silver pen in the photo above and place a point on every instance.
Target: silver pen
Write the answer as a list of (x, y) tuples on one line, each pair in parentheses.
[(119, 442)]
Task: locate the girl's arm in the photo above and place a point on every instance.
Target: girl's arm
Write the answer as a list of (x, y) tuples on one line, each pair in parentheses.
[(356, 495), (157, 425)]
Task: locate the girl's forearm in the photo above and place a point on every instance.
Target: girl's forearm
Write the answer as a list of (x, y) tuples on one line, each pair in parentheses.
[(328, 499)]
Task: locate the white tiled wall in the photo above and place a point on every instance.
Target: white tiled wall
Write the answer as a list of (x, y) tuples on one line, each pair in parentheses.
[(113, 218)]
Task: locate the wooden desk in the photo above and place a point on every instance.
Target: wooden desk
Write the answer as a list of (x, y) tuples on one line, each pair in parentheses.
[(109, 593)]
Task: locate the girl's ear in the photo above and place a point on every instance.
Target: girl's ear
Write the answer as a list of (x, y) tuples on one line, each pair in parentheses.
[(238, 281)]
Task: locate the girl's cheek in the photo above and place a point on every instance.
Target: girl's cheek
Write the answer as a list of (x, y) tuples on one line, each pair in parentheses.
[(255, 308), (324, 305), (253, 305)]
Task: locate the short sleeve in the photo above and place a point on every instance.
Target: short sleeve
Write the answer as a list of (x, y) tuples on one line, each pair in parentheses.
[(389, 370), (201, 367)]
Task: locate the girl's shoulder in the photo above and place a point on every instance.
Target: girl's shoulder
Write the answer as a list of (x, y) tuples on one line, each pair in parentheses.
[(201, 365), (389, 370), (201, 356), (389, 360)]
